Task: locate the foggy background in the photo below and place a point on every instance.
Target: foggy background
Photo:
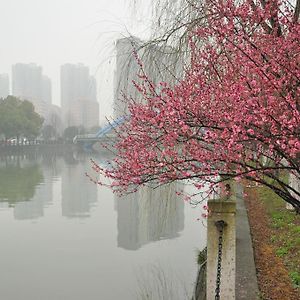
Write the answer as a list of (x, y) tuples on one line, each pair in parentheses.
[(52, 33)]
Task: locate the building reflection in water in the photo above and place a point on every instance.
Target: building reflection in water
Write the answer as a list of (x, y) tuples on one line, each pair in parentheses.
[(78, 194), (149, 215), (26, 184)]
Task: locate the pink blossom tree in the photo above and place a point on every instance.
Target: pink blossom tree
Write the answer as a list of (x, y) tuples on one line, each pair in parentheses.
[(234, 115)]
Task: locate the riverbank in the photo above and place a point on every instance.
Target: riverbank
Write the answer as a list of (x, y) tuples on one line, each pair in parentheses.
[(276, 242), (23, 148)]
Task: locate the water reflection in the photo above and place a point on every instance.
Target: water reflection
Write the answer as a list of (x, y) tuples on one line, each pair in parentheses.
[(157, 282), (78, 194), (43, 197), (26, 184), (149, 215), (18, 180), (74, 249)]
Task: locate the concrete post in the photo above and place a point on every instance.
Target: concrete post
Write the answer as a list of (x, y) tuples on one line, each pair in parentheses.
[(294, 182), (221, 210)]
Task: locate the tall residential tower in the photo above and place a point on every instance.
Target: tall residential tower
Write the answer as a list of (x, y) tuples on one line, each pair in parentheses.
[(160, 63), (78, 96), (29, 83)]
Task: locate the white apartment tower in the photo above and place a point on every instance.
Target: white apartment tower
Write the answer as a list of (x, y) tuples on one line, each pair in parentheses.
[(29, 83), (160, 63), (78, 96)]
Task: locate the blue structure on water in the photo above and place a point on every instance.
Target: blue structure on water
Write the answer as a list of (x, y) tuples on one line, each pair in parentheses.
[(110, 126), (88, 140)]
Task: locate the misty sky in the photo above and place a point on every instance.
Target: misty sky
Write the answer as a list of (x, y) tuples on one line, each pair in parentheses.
[(53, 32)]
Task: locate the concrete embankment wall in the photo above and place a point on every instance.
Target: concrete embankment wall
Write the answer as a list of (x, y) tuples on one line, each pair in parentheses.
[(238, 271)]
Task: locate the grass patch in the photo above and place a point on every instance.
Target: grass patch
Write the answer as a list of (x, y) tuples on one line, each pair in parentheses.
[(285, 227), (295, 276), (282, 251), (296, 230)]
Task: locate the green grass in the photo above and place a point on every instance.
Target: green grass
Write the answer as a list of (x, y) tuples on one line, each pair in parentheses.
[(282, 251), (296, 230), (285, 226), (295, 276)]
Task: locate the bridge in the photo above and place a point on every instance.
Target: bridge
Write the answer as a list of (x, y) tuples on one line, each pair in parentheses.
[(105, 133)]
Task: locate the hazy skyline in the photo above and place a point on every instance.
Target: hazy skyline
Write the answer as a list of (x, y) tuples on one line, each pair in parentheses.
[(52, 33)]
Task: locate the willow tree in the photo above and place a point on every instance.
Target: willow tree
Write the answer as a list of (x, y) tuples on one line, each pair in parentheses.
[(236, 112)]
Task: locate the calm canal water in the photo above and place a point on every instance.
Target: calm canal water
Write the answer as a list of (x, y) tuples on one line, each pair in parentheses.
[(62, 237)]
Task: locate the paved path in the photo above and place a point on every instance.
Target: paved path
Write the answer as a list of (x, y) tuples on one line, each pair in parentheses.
[(246, 281)]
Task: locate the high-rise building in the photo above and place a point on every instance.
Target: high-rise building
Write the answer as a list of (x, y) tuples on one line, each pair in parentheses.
[(84, 113), (160, 63), (54, 119), (46, 89), (126, 70), (93, 89), (4, 85), (78, 96), (29, 83)]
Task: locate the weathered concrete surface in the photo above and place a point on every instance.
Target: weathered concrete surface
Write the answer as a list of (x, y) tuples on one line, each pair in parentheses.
[(246, 280), (221, 210)]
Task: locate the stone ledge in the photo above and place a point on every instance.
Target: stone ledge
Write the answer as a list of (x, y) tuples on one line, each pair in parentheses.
[(221, 206)]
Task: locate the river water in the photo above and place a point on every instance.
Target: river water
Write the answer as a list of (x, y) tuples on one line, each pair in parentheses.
[(62, 237)]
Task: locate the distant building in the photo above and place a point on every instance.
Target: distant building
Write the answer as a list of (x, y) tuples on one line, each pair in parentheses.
[(29, 83), (84, 113), (46, 90), (54, 118), (126, 70), (92, 89), (4, 85), (160, 63), (78, 96)]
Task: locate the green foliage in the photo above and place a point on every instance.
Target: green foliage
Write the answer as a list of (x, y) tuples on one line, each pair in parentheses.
[(48, 132), (32, 121), (295, 276), (281, 218), (18, 118), (296, 229), (70, 133), (282, 251), (274, 239), (18, 183), (202, 256), (286, 230)]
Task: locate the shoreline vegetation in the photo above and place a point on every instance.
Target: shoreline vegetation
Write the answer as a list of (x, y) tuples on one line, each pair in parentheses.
[(275, 233)]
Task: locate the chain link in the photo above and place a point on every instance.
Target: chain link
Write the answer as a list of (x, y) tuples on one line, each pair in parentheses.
[(220, 226)]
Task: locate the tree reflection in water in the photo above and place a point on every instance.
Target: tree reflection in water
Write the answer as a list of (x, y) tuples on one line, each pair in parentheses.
[(155, 282), (18, 183)]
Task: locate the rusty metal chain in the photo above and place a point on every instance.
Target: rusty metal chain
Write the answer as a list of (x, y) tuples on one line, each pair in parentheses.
[(220, 227)]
